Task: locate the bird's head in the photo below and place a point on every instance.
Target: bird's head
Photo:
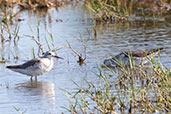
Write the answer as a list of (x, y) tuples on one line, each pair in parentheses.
[(50, 54)]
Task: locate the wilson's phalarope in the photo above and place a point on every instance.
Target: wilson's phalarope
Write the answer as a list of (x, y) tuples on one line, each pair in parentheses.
[(36, 66), (138, 57)]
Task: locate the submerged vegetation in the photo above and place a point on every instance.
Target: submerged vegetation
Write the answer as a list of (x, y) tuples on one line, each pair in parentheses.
[(144, 89), (113, 10)]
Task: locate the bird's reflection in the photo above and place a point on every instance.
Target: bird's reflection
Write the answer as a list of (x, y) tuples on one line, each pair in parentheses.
[(38, 92), (37, 87)]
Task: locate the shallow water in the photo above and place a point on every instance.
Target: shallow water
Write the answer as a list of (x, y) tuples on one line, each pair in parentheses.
[(46, 96)]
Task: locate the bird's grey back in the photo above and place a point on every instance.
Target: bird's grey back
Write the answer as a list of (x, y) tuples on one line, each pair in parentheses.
[(25, 65), (30, 63), (141, 53)]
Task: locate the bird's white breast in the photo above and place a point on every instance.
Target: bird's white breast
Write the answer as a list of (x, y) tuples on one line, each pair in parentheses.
[(46, 64)]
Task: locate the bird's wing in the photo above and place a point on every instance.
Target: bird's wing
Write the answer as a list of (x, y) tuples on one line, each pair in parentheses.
[(137, 53), (142, 53), (25, 65), (31, 63)]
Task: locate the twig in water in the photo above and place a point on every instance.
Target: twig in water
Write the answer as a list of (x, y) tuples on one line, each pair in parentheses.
[(80, 59)]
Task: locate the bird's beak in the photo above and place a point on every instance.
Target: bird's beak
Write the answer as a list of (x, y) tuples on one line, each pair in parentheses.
[(58, 57)]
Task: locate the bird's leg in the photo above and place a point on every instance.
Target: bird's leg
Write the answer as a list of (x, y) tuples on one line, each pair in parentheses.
[(36, 78), (31, 78)]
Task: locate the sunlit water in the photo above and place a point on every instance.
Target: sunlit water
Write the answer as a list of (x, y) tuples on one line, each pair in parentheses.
[(46, 96)]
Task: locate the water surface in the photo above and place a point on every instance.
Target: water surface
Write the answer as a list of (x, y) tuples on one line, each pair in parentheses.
[(45, 96)]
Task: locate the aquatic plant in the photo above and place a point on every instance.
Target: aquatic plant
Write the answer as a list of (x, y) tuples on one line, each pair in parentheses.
[(36, 39), (114, 10), (8, 35), (29, 4), (144, 89), (34, 4), (80, 58), (18, 110)]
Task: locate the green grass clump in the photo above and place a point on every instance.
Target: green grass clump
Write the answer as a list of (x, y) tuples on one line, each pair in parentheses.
[(144, 89), (106, 9), (116, 10)]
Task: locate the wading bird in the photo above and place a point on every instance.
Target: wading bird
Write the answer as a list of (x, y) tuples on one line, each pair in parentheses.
[(137, 57), (36, 66)]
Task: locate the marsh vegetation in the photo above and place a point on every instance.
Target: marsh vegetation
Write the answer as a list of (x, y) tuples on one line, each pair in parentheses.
[(129, 10), (144, 89)]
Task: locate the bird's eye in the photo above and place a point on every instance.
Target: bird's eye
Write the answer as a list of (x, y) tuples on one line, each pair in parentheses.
[(50, 54)]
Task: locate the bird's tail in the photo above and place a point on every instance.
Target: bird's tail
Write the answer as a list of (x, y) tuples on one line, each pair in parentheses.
[(13, 67)]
